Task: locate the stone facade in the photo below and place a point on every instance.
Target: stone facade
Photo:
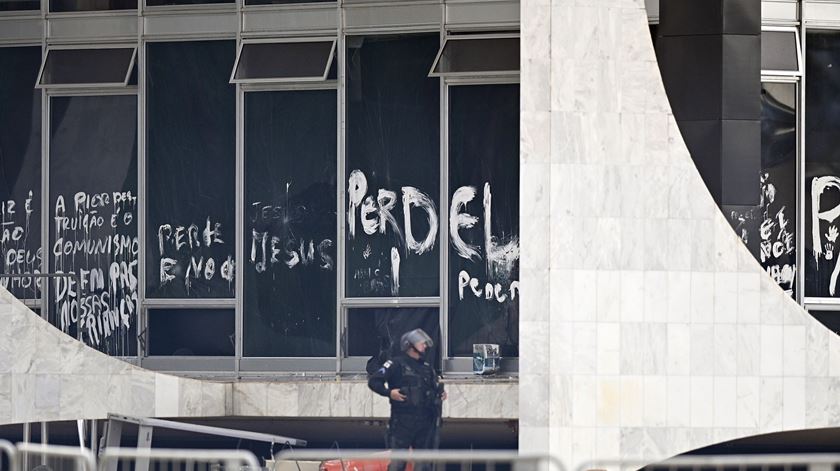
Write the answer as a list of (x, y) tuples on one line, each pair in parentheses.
[(647, 329), (46, 375)]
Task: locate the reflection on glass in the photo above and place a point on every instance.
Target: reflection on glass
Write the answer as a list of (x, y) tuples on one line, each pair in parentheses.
[(191, 332), (87, 66), (93, 219), (284, 2), (778, 51), (393, 167), (377, 331), (59, 6), (479, 56), (20, 168), (822, 164), (298, 60), (191, 150), (291, 224), (157, 3), (483, 273), (19, 5), (769, 229)]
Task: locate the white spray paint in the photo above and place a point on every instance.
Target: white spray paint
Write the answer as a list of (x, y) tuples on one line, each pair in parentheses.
[(395, 271), (501, 257), (818, 186), (414, 197), (356, 189), (368, 225), (459, 220), (387, 199)]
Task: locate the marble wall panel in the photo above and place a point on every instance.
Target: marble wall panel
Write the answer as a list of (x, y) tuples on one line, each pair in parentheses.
[(709, 348)]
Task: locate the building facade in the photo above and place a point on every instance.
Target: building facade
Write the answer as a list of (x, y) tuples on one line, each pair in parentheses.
[(264, 194)]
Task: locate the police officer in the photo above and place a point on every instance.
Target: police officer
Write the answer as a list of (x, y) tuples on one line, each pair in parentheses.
[(415, 393)]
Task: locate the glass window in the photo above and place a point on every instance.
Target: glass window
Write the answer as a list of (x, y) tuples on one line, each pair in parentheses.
[(780, 51), (392, 162), (471, 55), (58, 6), (374, 330), (20, 169), (157, 3), (484, 218), (830, 319), (284, 2), (822, 164), (191, 179), (93, 218), (191, 332), (17, 5), (95, 67), (291, 223), (281, 62), (769, 229)]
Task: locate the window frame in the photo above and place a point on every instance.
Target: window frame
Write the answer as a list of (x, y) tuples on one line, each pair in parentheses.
[(256, 364), (46, 141), (323, 78), (472, 74), (451, 363), (132, 64), (798, 45), (213, 22)]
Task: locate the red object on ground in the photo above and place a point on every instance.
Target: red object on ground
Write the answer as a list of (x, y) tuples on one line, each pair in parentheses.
[(360, 464)]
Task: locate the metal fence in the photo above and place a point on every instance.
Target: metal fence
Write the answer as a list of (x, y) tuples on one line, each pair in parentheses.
[(421, 460), (139, 459), (38, 457), (766, 462), (8, 454)]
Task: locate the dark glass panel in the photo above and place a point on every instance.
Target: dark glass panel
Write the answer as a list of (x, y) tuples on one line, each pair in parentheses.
[(484, 188), (393, 158), (59, 6), (93, 219), (830, 319), (769, 229), (284, 2), (157, 3), (291, 223), (479, 55), (191, 332), (191, 149), (20, 169), (374, 330), (87, 66), (283, 60), (822, 163), (778, 51), (18, 5)]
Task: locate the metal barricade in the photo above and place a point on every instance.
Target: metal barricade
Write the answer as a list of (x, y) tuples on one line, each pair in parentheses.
[(39, 457), (8, 456), (161, 459), (774, 462), (421, 460)]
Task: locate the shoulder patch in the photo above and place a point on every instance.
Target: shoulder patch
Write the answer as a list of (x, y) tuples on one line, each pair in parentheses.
[(387, 364)]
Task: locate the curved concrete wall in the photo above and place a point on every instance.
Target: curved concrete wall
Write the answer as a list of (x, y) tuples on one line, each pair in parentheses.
[(46, 375), (647, 329)]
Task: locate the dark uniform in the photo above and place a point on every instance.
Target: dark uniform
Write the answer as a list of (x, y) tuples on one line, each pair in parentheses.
[(415, 421)]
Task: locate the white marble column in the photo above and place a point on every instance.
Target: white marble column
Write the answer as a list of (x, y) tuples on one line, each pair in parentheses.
[(647, 328)]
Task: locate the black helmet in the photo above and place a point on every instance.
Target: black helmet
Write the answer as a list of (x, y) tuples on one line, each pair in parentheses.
[(409, 339)]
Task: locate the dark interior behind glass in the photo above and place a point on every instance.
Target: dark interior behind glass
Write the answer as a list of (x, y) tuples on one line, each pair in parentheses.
[(290, 224)]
